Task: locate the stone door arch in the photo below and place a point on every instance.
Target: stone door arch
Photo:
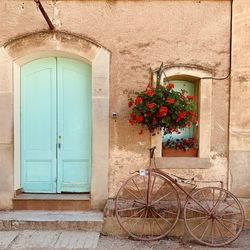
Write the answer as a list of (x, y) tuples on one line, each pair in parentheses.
[(24, 49)]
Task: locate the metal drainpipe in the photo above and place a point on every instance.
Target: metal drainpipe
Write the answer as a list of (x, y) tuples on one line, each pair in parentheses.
[(229, 177)]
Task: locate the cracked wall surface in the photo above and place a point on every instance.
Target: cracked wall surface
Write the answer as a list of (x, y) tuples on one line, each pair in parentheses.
[(139, 35)]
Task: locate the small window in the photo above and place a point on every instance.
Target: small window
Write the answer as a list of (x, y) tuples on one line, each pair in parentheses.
[(188, 134)]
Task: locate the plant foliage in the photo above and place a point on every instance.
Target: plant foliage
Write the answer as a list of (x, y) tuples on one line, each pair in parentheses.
[(162, 107)]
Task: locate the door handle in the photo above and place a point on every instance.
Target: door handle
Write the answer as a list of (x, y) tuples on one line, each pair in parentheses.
[(59, 145)]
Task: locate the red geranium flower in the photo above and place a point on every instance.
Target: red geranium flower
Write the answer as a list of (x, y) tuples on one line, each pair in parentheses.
[(139, 118), (182, 114), (149, 92), (132, 115), (130, 103), (162, 111), (170, 86), (138, 99), (150, 105), (190, 97), (170, 100)]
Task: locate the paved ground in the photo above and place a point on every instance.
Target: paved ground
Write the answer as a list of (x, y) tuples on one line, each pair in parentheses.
[(46, 240), (76, 240)]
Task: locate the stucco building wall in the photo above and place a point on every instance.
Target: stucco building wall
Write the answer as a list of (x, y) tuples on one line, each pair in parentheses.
[(240, 102), (139, 35)]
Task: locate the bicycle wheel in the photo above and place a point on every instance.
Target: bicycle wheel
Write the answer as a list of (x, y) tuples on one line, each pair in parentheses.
[(147, 218), (214, 216)]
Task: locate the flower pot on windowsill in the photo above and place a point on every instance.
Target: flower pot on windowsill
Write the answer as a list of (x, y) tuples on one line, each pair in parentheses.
[(172, 152)]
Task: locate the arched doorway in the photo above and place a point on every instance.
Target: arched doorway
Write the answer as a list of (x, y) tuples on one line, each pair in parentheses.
[(22, 50)]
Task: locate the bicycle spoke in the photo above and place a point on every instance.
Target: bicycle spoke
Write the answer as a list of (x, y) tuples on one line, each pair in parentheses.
[(205, 231), (212, 233), (138, 190), (166, 195), (199, 218), (206, 201), (199, 225), (134, 215), (155, 219), (226, 207), (155, 195), (137, 221), (131, 201), (128, 209), (221, 234), (161, 216), (226, 214), (133, 195), (228, 221), (167, 211), (152, 186), (217, 202), (226, 228), (143, 224), (195, 210)]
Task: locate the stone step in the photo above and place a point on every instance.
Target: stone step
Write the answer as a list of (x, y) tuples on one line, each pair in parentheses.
[(60, 202), (51, 220)]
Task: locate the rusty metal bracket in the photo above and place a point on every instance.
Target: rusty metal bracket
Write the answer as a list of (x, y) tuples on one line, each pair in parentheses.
[(45, 15)]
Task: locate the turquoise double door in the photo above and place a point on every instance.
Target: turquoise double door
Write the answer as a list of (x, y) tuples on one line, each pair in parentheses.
[(55, 126)]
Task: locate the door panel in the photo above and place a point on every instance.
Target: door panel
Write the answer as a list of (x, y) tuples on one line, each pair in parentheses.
[(38, 126), (55, 126), (74, 125)]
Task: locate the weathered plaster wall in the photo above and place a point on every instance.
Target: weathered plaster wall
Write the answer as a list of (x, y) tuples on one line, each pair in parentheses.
[(240, 102), (139, 35)]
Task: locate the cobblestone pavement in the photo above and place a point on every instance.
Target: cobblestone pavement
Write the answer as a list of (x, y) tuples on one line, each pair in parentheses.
[(76, 240)]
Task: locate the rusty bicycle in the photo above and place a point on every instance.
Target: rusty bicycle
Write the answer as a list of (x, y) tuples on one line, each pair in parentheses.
[(148, 206)]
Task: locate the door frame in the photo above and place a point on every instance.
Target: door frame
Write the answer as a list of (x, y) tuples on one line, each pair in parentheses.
[(100, 98)]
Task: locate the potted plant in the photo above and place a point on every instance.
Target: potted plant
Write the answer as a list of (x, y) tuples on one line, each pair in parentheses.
[(162, 107), (184, 147)]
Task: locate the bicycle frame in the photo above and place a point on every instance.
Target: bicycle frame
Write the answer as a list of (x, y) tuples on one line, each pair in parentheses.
[(174, 181)]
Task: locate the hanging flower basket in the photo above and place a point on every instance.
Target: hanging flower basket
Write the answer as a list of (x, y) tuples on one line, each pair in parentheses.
[(162, 107)]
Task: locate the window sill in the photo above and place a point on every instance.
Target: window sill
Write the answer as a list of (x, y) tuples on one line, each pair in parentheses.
[(182, 162)]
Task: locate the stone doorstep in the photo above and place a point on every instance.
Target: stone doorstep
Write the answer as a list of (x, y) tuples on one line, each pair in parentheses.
[(67, 197), (59, 202), (51, 220)]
